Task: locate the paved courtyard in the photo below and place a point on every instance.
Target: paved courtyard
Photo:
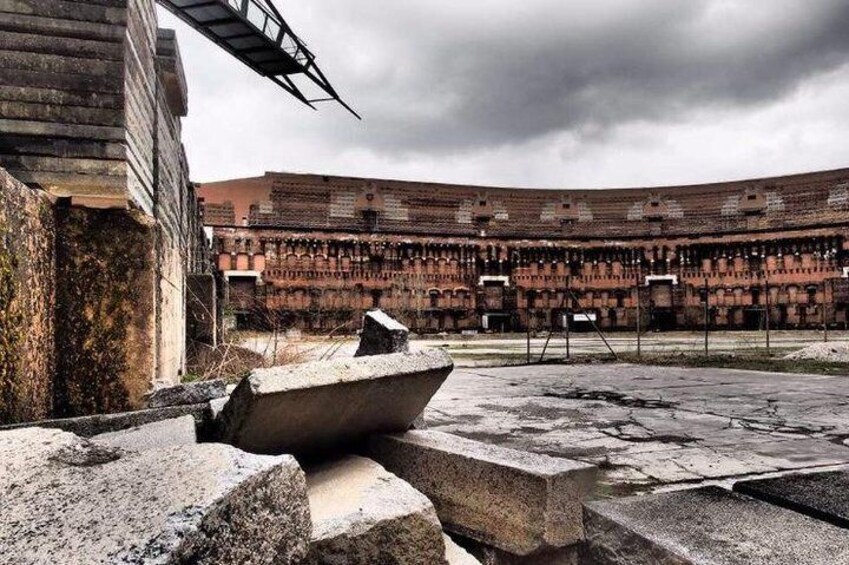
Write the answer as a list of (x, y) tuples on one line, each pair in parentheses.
[(653, 428)]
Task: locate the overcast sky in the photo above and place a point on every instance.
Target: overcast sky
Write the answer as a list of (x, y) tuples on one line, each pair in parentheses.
[(537, 93)]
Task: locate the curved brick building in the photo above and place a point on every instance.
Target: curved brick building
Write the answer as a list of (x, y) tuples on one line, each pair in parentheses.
[(316, 251)]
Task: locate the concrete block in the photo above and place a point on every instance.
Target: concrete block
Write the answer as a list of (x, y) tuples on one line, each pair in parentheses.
[(68, 500), (381, 335), (824, 496), (456, 555), (522, 503), (166, 433), (187, 393), (707, 526), (325, 404), (363, 515)]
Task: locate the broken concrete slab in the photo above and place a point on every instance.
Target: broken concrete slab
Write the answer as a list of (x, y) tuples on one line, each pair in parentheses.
[(88, 426), (362, 515), (167, 433), (516, 501), (382, 335), (325, 404), (187, 393), (824, 496), (456, 555), (708, 525), (69, 500)]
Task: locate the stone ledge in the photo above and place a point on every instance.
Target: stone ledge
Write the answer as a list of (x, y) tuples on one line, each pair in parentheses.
[(156, 435), (88, 426)]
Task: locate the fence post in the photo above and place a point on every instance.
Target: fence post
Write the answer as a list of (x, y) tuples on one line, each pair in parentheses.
[(639, 313), (566, 318), (707, 315), (823, 310), (766, 285)]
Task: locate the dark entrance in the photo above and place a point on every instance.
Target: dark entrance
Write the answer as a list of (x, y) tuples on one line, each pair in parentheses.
[(661, 311), (753, 318)]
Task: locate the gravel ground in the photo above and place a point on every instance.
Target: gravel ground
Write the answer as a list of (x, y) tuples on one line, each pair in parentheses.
[(830, 352)]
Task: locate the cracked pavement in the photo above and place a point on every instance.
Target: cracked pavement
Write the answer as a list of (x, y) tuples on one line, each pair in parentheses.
[(653, 428)]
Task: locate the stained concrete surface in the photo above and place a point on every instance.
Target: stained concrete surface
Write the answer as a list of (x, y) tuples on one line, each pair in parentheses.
[(653, 428)]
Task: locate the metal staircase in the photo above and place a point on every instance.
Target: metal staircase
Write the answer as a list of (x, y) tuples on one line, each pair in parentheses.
[(254, 32)]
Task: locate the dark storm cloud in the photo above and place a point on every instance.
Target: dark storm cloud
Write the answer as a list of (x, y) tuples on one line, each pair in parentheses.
[(435, 76), (538, 92)]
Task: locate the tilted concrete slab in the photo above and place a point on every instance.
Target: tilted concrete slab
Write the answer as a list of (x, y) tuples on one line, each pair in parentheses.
[(156, 435), (325, 404), (187, 393), (364, 515), (519, 502), (382, 335), (824, 496), (69, 500), (708, 526)]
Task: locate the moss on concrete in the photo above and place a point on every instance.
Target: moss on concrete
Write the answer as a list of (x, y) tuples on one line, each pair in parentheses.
[(106, 312), (27, 297), (11, 330)]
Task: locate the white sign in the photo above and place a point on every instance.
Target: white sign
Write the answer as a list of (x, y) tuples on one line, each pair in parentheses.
[(502, 279), (591, 317), (662, 278)]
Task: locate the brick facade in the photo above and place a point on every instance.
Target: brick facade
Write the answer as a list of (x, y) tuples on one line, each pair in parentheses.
[(316, 251)]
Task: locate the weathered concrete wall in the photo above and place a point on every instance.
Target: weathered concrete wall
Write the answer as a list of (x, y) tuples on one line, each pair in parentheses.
[(171, 183), (27, 300), (105, 310), (68, 70), (91, 96)]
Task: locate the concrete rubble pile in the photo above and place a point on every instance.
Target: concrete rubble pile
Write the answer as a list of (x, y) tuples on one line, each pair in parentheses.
[(310, 463), (319, 464)]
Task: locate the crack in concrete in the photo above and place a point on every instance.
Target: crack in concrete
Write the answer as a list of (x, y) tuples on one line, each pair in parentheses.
[(611, 397)]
